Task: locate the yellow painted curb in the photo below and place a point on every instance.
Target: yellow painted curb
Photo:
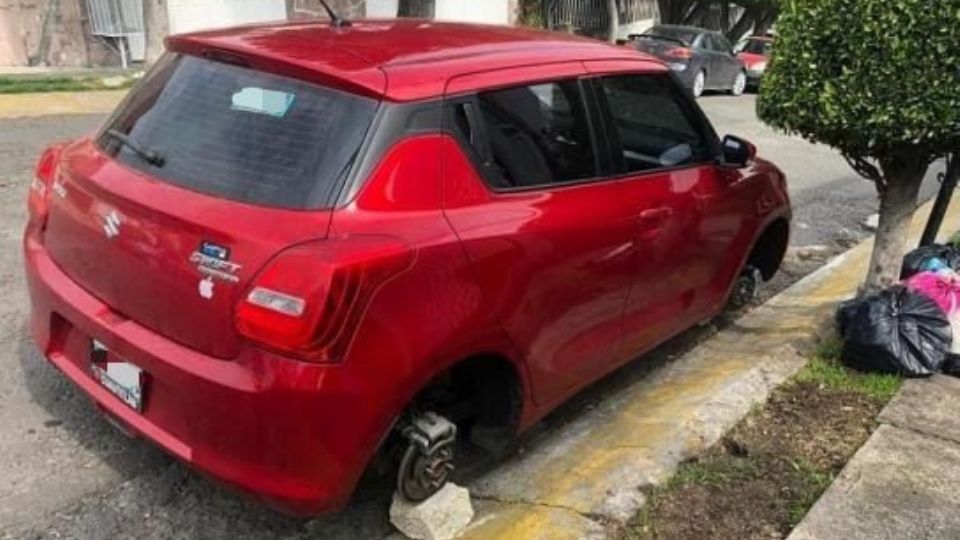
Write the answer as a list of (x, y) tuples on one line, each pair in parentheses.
[(53, 103), (668, 416)]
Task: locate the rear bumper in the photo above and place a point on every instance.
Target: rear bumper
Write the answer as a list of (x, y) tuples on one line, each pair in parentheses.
[(278, 429)]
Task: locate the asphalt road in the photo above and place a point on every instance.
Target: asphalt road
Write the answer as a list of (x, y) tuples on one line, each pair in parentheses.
[(66, 473)]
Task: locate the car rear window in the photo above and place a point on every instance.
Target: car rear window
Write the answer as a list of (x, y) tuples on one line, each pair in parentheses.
[(685, 36), (758, 46), (240, 134)]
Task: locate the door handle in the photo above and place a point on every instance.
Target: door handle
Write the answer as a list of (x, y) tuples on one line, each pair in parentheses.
[(654, 218)]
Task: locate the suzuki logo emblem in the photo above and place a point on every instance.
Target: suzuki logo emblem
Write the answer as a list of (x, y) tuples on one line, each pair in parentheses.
[(111, 224)]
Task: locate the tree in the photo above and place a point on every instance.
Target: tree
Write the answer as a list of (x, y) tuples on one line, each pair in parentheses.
[(613, 16), (877, 80), (757, 15), (155, 22), (415, 8)]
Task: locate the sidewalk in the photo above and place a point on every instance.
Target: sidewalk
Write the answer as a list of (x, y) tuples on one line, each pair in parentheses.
[(56, 103), (904, 482), (40, 72)]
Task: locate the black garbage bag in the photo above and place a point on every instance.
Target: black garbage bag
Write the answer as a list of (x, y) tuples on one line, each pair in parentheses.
[(951, 365), (917, 260), (896, 331)]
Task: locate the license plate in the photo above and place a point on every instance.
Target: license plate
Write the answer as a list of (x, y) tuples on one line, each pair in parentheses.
[(121, 378)]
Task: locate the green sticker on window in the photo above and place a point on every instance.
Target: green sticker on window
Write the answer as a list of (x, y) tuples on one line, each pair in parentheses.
[(262, 101)]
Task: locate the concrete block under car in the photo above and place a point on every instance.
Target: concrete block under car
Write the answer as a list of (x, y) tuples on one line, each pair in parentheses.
[(441, 517)]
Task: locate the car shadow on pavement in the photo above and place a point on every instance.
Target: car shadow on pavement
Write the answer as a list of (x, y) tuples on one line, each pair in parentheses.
[(74, 413), (166, 499), (158, 497)]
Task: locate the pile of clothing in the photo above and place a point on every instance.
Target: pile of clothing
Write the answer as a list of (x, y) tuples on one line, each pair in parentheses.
[(909, 328)]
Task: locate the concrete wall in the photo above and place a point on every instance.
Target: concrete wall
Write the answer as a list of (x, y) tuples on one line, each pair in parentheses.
[(487, 11), (56, 32), (47, 32), (351, 9), (190, 15), (481, 11)]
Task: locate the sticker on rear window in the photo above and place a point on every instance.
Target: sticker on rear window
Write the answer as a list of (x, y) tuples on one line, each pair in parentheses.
[(262, 101)]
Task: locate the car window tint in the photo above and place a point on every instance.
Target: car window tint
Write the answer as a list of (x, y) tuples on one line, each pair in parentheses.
[(684, 35), (535, 135), (758, 46), (241, 134), (654, 126), (722, 44), (713, 43)]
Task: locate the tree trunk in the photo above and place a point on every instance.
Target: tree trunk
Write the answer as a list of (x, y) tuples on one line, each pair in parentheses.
[(898, 201), (765, 21), (613, 14), (673, 11), (415, 8), (157, 26), (697, 13), (742, 26)]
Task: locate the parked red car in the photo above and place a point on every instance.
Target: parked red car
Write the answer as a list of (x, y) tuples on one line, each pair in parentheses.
[(295, 245), (755, 51)]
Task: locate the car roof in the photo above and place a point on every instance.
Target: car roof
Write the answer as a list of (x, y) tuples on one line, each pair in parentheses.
[(398, 59)]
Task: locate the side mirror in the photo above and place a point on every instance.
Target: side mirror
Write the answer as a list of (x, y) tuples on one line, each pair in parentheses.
[(737, 152)]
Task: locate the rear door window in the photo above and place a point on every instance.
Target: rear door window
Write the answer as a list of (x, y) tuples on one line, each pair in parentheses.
[(653, 125), (529, 136), (240, 134), (722, 45)]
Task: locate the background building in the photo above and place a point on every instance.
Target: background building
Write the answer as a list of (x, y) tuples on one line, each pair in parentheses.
[(119, 32)]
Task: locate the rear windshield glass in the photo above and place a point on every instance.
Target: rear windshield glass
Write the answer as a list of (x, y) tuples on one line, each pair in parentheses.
[(239, 134), (758, 46), (670, 33)]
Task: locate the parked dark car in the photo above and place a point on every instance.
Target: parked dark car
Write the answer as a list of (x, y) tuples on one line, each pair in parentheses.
[(702, 59)]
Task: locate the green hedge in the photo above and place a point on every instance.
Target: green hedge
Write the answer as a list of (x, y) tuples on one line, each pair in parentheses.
[(867, 76)]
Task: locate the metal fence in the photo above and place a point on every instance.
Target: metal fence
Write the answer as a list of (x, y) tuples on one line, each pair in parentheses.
[(591, 16), (115, 18)]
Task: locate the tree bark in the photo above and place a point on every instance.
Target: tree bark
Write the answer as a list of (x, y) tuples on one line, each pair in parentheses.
[(742, 26), (697, 13), (156, 26), (765, 21), (415, 8), (613, 14), (903, 175), (673, 11)]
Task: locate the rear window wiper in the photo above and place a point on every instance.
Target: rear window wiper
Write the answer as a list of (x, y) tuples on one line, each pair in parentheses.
[(150, 156)]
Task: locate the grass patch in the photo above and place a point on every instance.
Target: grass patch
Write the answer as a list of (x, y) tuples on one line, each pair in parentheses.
[(722, 471), (815, 483), (834, 375), (760, 480), (57, 84), (825, 369)]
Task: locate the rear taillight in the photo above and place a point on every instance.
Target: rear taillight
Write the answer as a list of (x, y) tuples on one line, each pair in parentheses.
[(309, 300), (38, 199), (680, 52)]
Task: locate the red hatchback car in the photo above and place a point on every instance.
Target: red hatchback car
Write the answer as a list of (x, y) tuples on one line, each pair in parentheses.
[(293, 246)]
